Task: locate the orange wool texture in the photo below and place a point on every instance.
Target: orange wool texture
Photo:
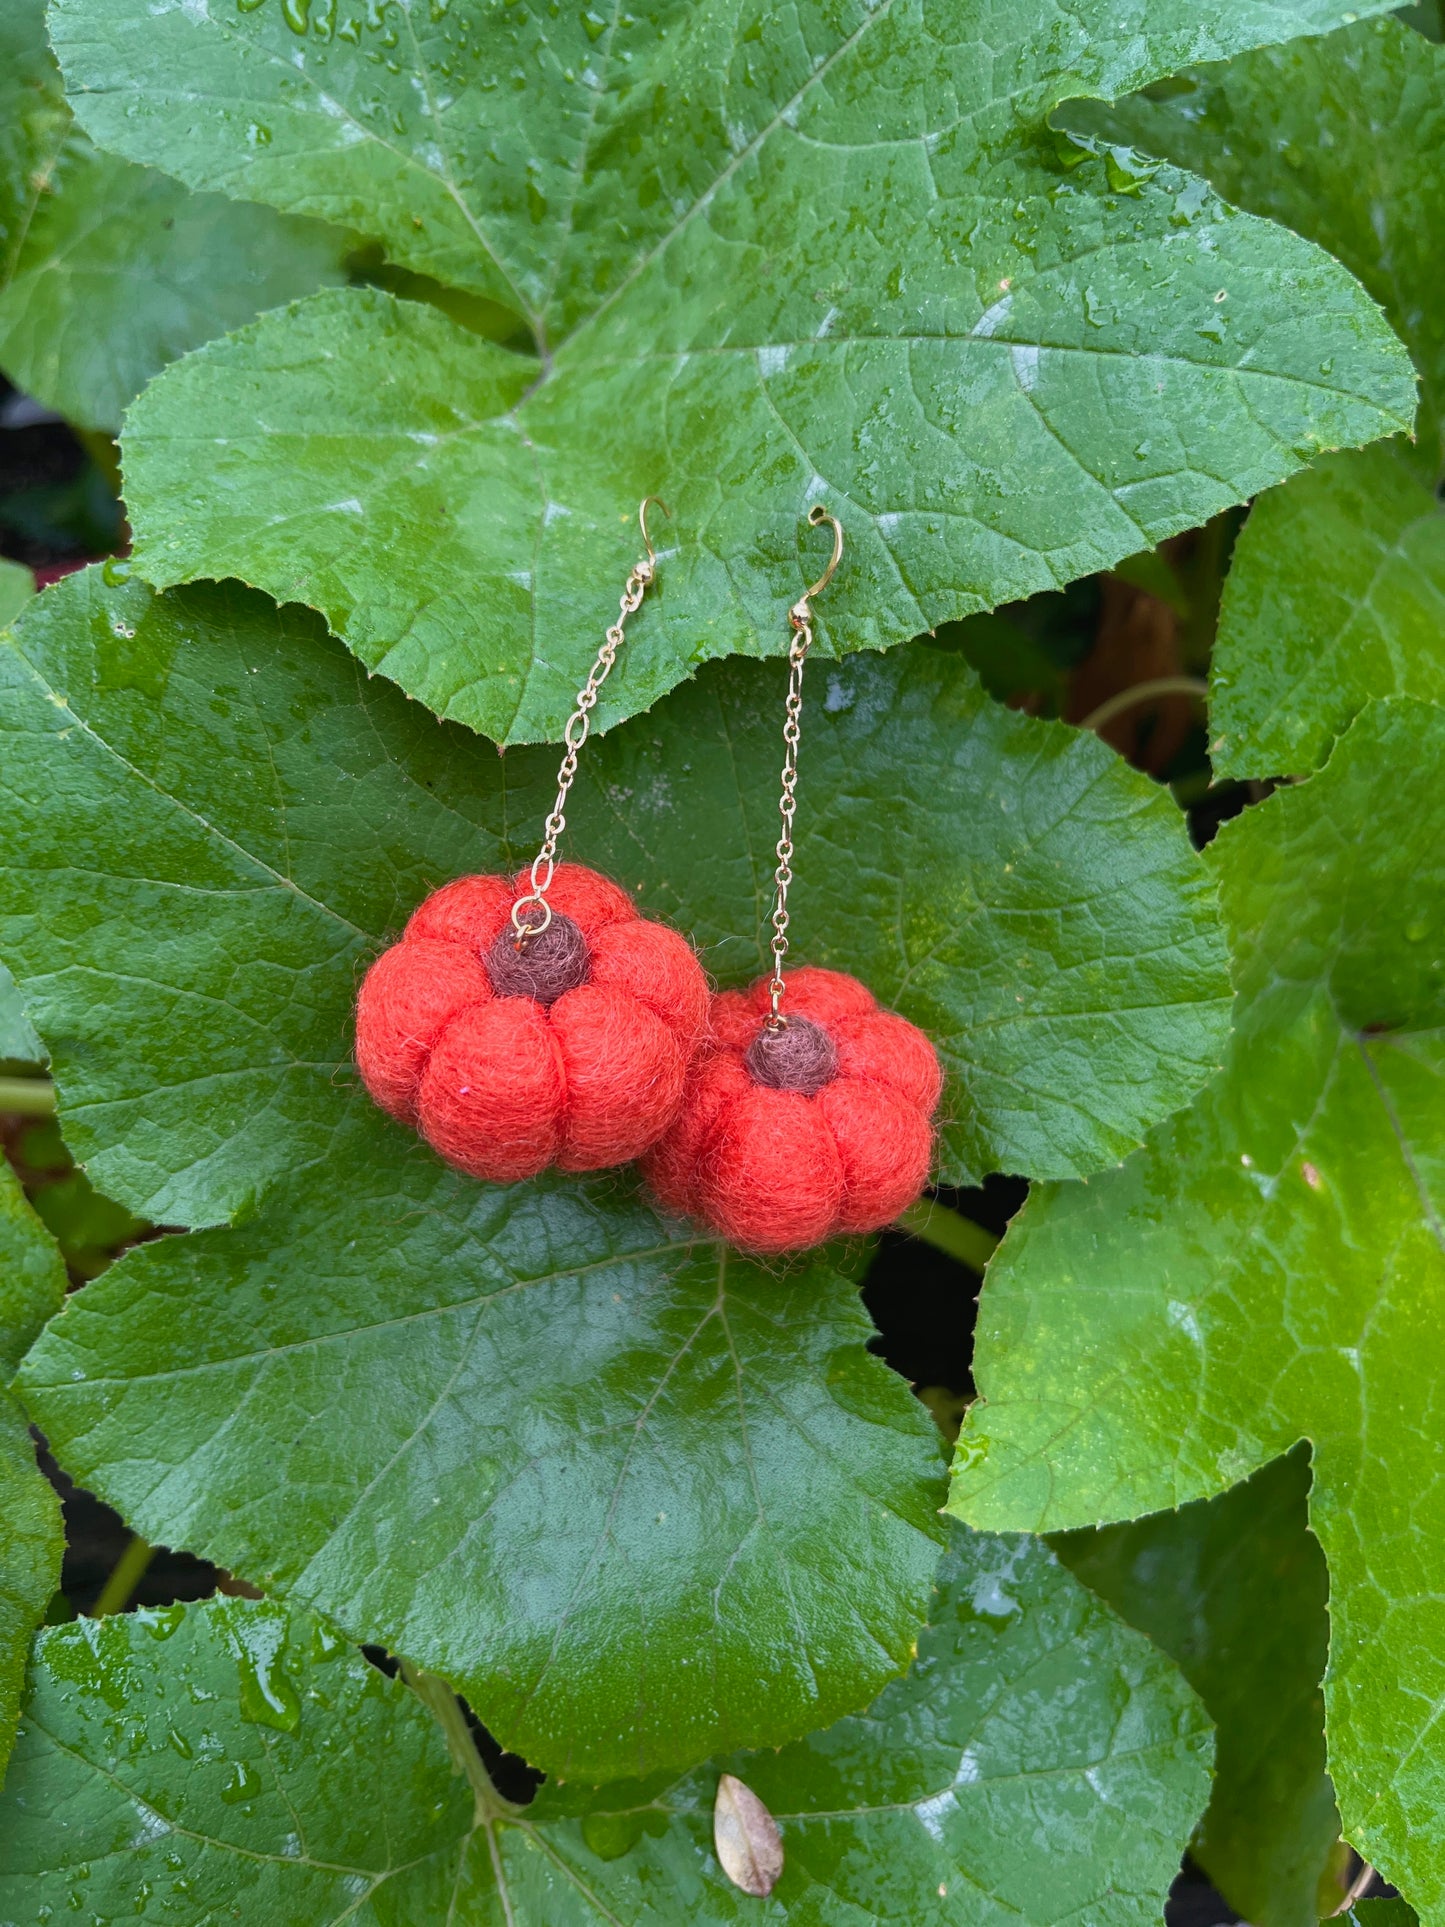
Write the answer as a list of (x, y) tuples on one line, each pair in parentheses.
[(774, 1169), (576, 1056)]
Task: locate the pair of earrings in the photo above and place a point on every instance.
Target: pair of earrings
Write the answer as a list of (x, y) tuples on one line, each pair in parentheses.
[(540, 1020)]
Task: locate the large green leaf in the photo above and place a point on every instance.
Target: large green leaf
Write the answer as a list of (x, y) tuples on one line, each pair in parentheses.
[(108, 270), (1270, 1268), (1337, 591), (1337, 139), (1234, 1589), (837, 256), (224, 1761), (1336, 594), (32, 1285), (638, 1499), (255, 820), (258, 1764)]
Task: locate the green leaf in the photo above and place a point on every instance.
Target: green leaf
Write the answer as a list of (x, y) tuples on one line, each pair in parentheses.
[(108, 270), (1031, 1714), (1336, 139), (31, 1541), (263, 821), (90, 1229), (18, 1042), (263, 834), (1393, 1912), (543, 195), (17, 585), (1426, 17), (637, 1499), (224, 1760), (32, 1285), (1336, 594), (837, 259), (32, 1277), (1234, 1589), (1337, 590), (1270, 1268)]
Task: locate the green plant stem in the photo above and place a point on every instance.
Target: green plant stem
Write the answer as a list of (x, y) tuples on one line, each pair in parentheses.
[(27, 1096), (129, 1570), (949, 1231), (445, 1708), (1141, 692)]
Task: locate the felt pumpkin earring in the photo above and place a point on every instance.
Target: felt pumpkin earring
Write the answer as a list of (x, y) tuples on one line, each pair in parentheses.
[(537, 1020), (808, 1111)]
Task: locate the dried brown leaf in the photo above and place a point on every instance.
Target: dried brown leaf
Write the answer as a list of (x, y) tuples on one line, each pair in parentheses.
[(749, 1846)]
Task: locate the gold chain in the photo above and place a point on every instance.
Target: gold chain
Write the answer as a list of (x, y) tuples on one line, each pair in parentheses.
[(801, 618), (579, 724)]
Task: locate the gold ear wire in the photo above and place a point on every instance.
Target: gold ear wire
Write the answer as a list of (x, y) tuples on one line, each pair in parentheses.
[(817, 516), (647, 502)]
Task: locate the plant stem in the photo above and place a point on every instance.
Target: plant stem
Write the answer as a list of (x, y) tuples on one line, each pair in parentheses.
[(444, 1706), (27, 1096), (1141, 692), (949, 1231), (129, 1570)]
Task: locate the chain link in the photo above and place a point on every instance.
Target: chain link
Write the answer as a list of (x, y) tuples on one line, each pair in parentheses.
[(579, 724), (801, 617)]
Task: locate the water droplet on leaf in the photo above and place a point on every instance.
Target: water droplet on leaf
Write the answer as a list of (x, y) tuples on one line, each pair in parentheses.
[(268, 1697), (1126, 172), (610, 1835), (244, 1783), (325, 1644)]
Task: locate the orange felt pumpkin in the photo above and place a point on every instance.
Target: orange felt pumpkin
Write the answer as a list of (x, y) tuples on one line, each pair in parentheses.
[(571, 1050), (788, 1137)]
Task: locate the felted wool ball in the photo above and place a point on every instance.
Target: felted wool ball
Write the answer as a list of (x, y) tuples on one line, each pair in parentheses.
[(788, 1137), (571, 1051)]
